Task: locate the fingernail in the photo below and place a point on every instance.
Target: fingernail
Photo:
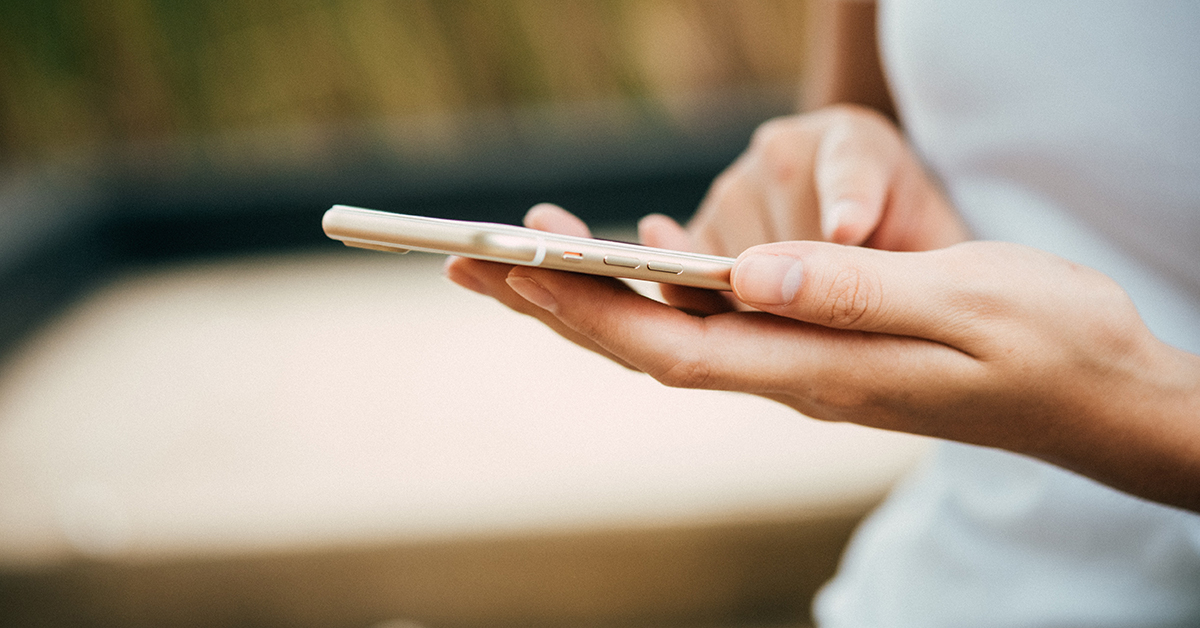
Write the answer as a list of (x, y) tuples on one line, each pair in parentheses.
[(532, 291), (832, 217), (768, 279)]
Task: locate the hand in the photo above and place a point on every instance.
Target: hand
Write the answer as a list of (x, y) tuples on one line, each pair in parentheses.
[(985, 343), (491, 278), (842, 174)]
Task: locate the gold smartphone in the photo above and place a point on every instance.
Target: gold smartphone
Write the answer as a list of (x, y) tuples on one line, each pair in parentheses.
[(401, 233)]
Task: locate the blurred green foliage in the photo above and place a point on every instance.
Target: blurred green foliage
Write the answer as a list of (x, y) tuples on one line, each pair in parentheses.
[(76, 75)]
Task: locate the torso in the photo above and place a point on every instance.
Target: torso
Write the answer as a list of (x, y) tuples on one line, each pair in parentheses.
[(1073, 127)]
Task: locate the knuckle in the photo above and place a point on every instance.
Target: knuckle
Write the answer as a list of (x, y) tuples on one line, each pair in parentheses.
[(841, 401), (871, 393), (690, 372), (771, 132), (987, 296), (1114, 323), (849, 299), (779, 149), (847, 396), (842, 115), (851, 114), (849, 126)]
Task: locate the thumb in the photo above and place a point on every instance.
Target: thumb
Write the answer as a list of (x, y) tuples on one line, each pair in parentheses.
[(850, 288)]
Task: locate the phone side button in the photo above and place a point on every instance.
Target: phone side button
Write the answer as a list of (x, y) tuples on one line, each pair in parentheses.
[(375, 247), (573, 256), (664, 267), (624, 262)]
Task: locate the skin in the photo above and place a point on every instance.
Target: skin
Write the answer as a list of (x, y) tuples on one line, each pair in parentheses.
[(858, 296)]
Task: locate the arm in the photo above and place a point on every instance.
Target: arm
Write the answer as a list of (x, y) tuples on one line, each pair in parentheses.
[(894, 320), (844, 64), (980, 342), (985, 343)]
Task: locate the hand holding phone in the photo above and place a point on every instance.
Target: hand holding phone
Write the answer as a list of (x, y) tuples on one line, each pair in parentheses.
[(509, 244)]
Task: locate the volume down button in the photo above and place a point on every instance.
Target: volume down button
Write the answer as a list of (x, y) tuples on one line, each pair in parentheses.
[(664, 267), (624, 262)]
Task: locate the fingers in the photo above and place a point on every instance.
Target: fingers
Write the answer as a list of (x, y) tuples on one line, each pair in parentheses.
[(842, 175), (874, 192), (856, 165), (651, 336), (852, 288), (552, 218), (821, 176), (663, 232), (491, 279), (743, 351), (733, 214)]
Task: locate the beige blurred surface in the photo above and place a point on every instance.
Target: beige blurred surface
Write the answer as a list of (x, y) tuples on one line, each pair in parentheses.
[(219, 426)]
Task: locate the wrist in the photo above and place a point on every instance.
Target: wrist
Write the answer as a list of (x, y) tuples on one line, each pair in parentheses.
[(1142, 434)]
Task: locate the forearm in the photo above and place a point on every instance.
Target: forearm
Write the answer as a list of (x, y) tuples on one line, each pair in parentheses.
[(1141, 435), (844, 64)]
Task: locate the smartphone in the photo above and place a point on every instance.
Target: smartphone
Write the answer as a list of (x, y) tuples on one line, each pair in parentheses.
[(400, 233)]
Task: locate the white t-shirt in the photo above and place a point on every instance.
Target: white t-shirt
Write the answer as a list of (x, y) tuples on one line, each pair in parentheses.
[(1074, 127)]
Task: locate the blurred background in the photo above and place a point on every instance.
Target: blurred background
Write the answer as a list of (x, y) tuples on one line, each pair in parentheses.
[(210, 415), (138, 130)]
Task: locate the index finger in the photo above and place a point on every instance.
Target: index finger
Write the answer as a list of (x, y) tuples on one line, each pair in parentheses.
[(742, 351)]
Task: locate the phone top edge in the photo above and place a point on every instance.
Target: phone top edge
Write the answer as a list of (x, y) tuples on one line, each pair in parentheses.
[(331, 229), (370, 229), (511, 244)]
